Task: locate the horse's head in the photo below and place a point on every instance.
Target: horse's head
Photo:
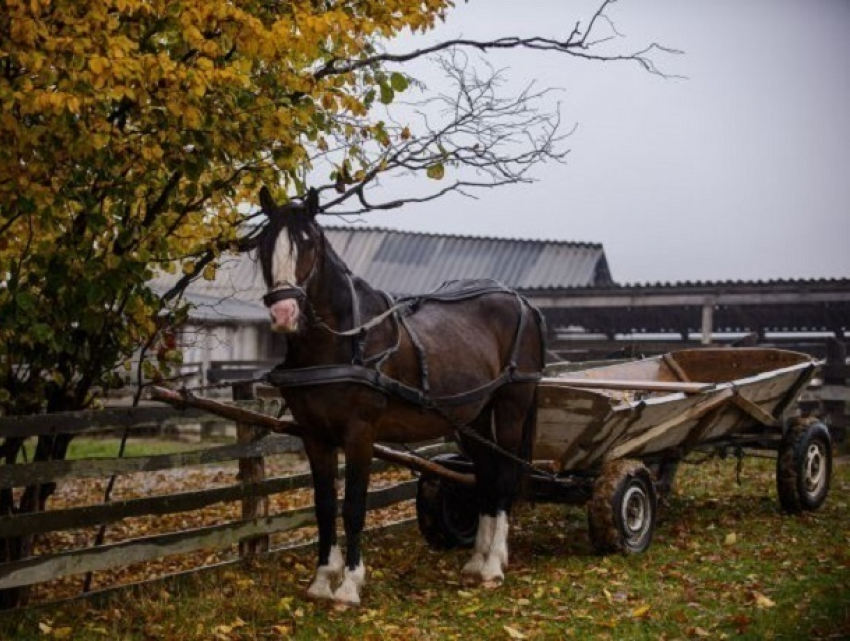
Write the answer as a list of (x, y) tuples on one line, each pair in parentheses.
[(289, 250)]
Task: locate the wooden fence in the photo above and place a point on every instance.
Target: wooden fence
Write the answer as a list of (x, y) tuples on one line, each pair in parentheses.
[(252, 489)]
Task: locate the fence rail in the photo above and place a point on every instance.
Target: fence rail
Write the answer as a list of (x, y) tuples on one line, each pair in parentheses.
[(251, 490)]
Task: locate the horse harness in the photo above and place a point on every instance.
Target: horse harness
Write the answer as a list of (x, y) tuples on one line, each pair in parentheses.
[(368, 371)]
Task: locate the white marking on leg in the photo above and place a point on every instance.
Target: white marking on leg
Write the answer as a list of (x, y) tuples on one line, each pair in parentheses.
[(499, 546), (349, 591), (483, 541), (326, 575), (492, 574)]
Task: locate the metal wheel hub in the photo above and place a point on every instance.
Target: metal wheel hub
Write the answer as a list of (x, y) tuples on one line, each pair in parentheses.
[(635, 512), (814, 468)]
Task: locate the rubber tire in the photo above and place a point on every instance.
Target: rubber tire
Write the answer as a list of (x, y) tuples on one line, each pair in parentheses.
[(447, 512), (804, 467), (622, 512)]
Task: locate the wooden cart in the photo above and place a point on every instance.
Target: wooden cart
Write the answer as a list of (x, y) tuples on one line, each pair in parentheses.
[(612, 436)]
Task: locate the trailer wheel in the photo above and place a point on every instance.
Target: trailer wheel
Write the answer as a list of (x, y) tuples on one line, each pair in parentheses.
[(621, 514), (804, 467), (447, 512)]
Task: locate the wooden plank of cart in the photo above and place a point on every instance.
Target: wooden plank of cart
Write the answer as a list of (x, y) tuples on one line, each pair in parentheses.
[(612, 436)]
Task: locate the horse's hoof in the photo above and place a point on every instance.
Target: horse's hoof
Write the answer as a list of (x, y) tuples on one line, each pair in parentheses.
[(492, 577), (346, 605), (474, 565), (347, 595), (320, 593), (470, 579), (492, 584)]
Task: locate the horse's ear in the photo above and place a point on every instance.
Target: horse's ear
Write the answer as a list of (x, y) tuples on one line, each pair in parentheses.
[(312, 201), (267, 203)]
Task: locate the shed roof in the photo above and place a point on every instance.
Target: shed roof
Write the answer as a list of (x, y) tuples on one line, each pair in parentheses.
[(411, 263)]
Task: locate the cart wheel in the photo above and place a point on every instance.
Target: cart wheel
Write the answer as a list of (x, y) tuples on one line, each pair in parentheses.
[(621, 514), (804, 467), (447, 512)]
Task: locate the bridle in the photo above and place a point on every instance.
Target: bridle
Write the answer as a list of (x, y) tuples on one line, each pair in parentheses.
[(283, 291)]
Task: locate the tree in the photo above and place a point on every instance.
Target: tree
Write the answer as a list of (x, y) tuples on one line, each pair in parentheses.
[(131, 131)]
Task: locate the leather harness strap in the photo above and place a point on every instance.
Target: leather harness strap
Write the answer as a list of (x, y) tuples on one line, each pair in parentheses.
[(356, 372), (331, 374)]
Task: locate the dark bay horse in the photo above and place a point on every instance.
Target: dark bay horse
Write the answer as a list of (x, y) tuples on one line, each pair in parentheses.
[(462, 362)]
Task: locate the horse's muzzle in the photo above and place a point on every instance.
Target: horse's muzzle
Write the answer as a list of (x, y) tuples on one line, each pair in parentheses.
[(285, 314)]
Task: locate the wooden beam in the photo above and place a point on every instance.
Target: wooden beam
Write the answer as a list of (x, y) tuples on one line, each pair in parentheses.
[(419, 464), (626, 384), (707, 327), (23, 474), (181, 400), (753, 410), (680, 296), (674, 366), (87, 421), (160, 505)]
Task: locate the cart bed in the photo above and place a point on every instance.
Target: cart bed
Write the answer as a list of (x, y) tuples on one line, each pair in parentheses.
[(664, 406)]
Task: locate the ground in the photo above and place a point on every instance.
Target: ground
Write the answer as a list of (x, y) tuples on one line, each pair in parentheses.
[(725, 563)]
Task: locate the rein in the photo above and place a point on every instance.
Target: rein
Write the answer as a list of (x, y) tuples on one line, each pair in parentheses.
[(365, 327)]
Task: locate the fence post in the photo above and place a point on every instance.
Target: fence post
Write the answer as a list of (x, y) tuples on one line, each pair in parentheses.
[(835, 375), (251, 469)]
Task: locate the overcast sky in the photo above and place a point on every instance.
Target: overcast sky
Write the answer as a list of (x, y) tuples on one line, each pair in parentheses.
[(740, 172)]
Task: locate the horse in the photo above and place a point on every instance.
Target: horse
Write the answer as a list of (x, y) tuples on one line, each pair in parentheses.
[(462, 362)]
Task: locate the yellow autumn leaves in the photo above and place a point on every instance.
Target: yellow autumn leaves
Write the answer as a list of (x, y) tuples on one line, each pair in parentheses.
[(132, 130)]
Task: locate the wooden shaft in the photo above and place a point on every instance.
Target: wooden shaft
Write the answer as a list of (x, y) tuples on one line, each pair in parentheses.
[(179, 400), (288, 426), (626, 384)]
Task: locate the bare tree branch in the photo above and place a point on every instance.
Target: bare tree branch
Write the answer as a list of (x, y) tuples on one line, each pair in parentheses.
[(577, 44), (470, 130)]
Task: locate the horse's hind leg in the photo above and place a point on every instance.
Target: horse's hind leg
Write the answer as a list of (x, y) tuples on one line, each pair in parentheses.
[(481, 457), (323, 465), (358, 460), (498, 480)]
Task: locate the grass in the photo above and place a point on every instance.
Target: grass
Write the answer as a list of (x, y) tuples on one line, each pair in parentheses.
[(108, 447), (725, 563)]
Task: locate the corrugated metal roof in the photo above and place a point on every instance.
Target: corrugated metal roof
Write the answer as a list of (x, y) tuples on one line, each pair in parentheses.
[(410, 263)]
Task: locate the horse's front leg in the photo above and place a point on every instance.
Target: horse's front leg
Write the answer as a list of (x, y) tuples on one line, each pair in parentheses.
[(323, 465), (358, 460)]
